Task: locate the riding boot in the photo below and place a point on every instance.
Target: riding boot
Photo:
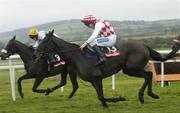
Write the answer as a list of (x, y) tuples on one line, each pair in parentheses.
[(101, 56)]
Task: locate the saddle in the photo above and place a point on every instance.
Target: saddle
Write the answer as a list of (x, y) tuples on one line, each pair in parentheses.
[(54, 60), (111, 51)]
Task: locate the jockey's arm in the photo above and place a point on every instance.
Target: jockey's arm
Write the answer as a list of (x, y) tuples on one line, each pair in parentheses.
[(41, 36), (96, 32)]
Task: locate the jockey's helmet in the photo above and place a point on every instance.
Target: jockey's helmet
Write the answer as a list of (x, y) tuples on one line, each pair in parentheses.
[(89, 19), (33, 33)]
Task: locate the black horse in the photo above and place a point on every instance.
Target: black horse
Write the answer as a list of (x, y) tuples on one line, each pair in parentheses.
[(38, 70), (134, 57)]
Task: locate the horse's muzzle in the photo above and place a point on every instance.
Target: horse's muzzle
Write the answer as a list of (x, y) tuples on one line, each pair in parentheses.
[(4, 54)]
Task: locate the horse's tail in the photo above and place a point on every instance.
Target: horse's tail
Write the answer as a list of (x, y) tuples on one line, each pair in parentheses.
[(154, 54)]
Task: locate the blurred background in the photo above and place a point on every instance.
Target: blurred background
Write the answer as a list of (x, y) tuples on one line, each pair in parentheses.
[(156, 22)]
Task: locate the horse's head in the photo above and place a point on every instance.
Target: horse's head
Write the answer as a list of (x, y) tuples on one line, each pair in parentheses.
[(176, 45), (45, 47), (10, 49)]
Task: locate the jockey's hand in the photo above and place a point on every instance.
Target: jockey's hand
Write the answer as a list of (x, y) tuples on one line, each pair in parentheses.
[(30, 46), (82, 46)]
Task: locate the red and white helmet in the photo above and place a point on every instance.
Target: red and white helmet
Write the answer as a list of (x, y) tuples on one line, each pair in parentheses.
[(89, 19)]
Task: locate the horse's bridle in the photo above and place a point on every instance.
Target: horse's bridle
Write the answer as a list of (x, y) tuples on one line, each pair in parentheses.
[(7, 53), (44, 54)]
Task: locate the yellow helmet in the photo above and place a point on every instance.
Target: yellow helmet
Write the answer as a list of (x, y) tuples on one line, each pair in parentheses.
[(33, 32)]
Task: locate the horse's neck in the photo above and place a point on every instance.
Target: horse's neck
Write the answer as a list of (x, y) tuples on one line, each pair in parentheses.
[(70, 51), (24, 52), (63, 45)]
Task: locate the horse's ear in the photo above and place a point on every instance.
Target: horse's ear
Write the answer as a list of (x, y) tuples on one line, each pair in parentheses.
[(52, 32), (14, 38)]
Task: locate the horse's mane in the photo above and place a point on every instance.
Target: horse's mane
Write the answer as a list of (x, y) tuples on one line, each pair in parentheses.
[(65, 42)]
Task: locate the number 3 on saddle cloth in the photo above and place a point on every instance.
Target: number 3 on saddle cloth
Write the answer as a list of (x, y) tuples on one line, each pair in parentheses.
[(108, 51), (54, 60)]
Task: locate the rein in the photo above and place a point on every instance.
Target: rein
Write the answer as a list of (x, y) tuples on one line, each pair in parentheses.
[(66, 51), (62, 51), (44, 54)]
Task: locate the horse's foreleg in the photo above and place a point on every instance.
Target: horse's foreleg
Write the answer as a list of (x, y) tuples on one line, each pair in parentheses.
[(63, 82), (36, 84), (73, 78), (97, 84), (99, 89), (26, 76), (150, 93)]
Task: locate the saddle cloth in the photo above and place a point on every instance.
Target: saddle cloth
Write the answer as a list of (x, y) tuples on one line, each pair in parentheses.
[(55, 60), (108, 51)]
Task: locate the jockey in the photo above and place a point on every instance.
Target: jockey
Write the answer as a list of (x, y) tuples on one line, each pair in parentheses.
[(103, 35), (37, 36)]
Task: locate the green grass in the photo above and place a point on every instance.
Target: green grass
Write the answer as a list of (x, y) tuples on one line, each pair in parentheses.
[(85, 100)]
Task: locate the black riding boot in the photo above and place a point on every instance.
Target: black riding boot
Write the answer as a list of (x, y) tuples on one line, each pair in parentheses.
[(101, 56)]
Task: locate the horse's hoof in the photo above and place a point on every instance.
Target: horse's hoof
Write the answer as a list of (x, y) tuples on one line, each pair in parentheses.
[(141, 98), (48, 91), (142, 102), (122, 99), (105, 106), (153, 95), (70, 97), (22, 95)]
